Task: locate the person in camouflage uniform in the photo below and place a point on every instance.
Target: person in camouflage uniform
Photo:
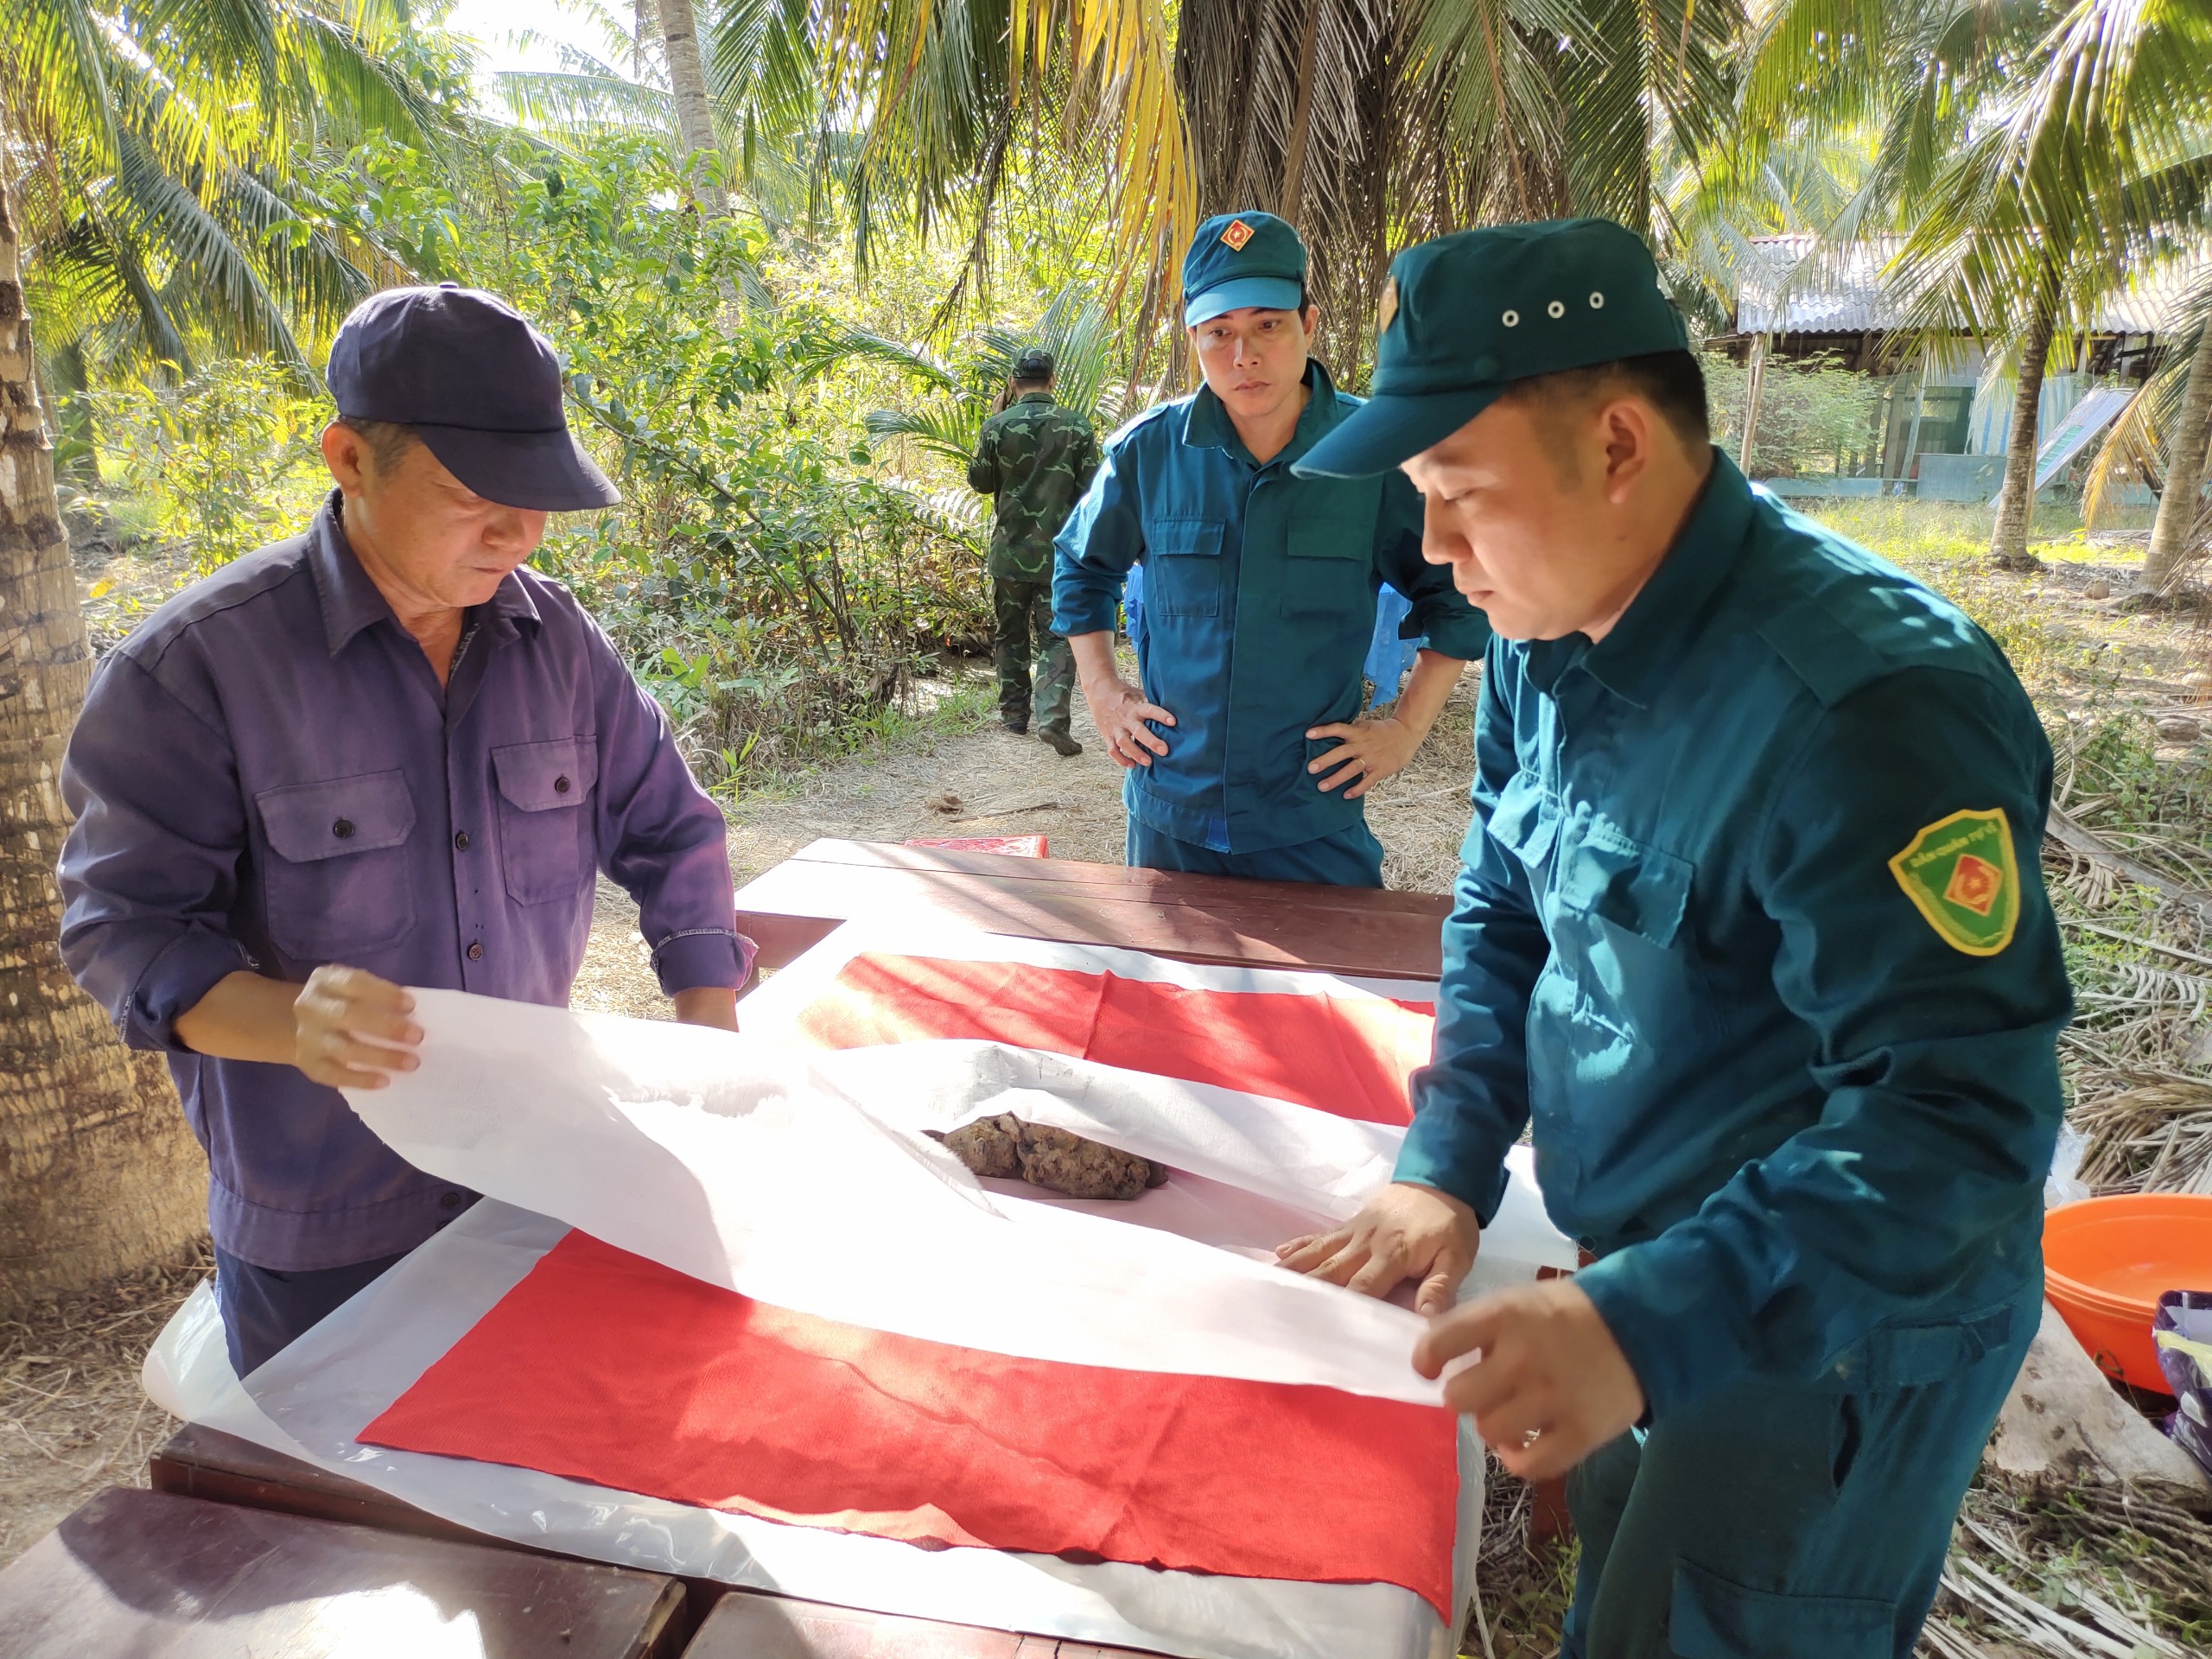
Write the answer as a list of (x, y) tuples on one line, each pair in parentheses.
[(1036, 458)]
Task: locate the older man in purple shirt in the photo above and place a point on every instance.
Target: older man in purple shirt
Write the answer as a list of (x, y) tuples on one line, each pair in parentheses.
[(381, 753)]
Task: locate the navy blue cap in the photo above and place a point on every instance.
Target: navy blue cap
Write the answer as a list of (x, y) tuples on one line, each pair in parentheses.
[(1238, 260), (478, 383)]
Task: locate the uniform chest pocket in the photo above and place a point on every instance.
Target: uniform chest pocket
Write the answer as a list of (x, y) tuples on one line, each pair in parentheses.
[(1606, 874), (1331, 549), (1183, 567), (338, 884), (546, 832), (1525, 822)]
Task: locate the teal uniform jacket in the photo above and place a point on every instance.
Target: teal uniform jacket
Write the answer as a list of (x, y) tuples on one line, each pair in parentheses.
[(1751, 923), (1260, 596)]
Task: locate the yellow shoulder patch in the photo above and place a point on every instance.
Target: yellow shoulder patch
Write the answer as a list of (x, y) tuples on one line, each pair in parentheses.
[(1963, 876)]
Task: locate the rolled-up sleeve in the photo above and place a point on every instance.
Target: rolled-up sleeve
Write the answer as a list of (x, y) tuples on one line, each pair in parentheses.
[(663, 841), (1441, 619), (1471, 1101), (150, 868), (1102, 538)]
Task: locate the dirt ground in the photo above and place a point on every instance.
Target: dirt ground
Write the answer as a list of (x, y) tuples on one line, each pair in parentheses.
[(979, 779)]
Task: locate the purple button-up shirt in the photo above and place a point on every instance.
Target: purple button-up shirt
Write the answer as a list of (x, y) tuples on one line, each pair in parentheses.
[(267, 776)]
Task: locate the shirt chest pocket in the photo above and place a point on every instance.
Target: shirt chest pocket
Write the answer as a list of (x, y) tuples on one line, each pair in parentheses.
[(1330, 546), (1641, 890), (546, 843), (1525, 822), (337, 885), (1183, 567)]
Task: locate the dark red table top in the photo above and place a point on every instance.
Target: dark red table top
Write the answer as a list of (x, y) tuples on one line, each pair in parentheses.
[(1191, 917)]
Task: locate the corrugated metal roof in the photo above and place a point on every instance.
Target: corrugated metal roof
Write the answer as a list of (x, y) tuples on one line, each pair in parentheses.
[(1841, 291)]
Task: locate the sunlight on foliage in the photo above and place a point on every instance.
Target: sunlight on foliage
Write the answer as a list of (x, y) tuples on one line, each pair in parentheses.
[(225, 459)]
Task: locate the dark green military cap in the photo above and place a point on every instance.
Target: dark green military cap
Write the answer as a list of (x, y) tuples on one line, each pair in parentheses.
[(1243, 259), (1467, 315)]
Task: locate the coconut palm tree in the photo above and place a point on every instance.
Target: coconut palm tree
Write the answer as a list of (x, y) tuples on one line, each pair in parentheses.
[(1367, 123), (2036, 154), (101, 1173), (143, 163), (2182, 528), (153, 156), (763, 113)]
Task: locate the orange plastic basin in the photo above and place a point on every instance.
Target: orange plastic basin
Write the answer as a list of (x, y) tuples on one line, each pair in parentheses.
[(2106, 1263)]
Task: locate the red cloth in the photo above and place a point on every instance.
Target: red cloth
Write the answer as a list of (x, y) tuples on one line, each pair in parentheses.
[(605, 1366), (1012, 846), (1343, 1055)]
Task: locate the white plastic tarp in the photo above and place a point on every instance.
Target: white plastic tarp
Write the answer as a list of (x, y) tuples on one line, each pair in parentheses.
[(801, 1177), (313, 1399)]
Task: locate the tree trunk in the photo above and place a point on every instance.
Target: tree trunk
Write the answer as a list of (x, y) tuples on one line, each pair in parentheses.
[(1754, 382), (2180, 503), (2008, 542), (694, 116), (97, 1173)]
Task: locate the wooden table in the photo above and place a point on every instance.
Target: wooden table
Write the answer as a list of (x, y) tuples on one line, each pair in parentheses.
[(154, 1576), (1191, 917), (787, 909)]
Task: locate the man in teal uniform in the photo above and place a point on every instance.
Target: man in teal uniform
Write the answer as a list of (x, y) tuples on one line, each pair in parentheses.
[(1243, 750), (1749, 929)]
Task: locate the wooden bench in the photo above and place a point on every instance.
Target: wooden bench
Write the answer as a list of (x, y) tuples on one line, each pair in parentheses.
[(154, 1576), (207, 1464), (1192, 918)]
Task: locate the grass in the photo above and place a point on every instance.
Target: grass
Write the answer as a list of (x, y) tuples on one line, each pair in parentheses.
[(1924, 531)]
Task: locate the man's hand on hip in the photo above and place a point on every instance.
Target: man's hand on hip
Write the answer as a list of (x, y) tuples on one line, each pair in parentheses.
[(1405, 1232), (1367, 752), (352, 1029), (1551, 1386), (1117, 709)]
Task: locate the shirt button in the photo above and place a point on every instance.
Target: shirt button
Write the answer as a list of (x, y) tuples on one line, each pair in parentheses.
[(449, 1201), (476, 952), (460, 840), (343, 829), (561, 784)]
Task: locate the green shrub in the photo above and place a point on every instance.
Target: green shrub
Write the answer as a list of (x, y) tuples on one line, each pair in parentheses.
[(221, 460), (1814, 418)]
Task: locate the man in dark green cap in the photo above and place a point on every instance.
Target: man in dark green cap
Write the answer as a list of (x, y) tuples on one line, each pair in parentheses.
[(1244, 753), (1037, 458), (1749, 929)]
